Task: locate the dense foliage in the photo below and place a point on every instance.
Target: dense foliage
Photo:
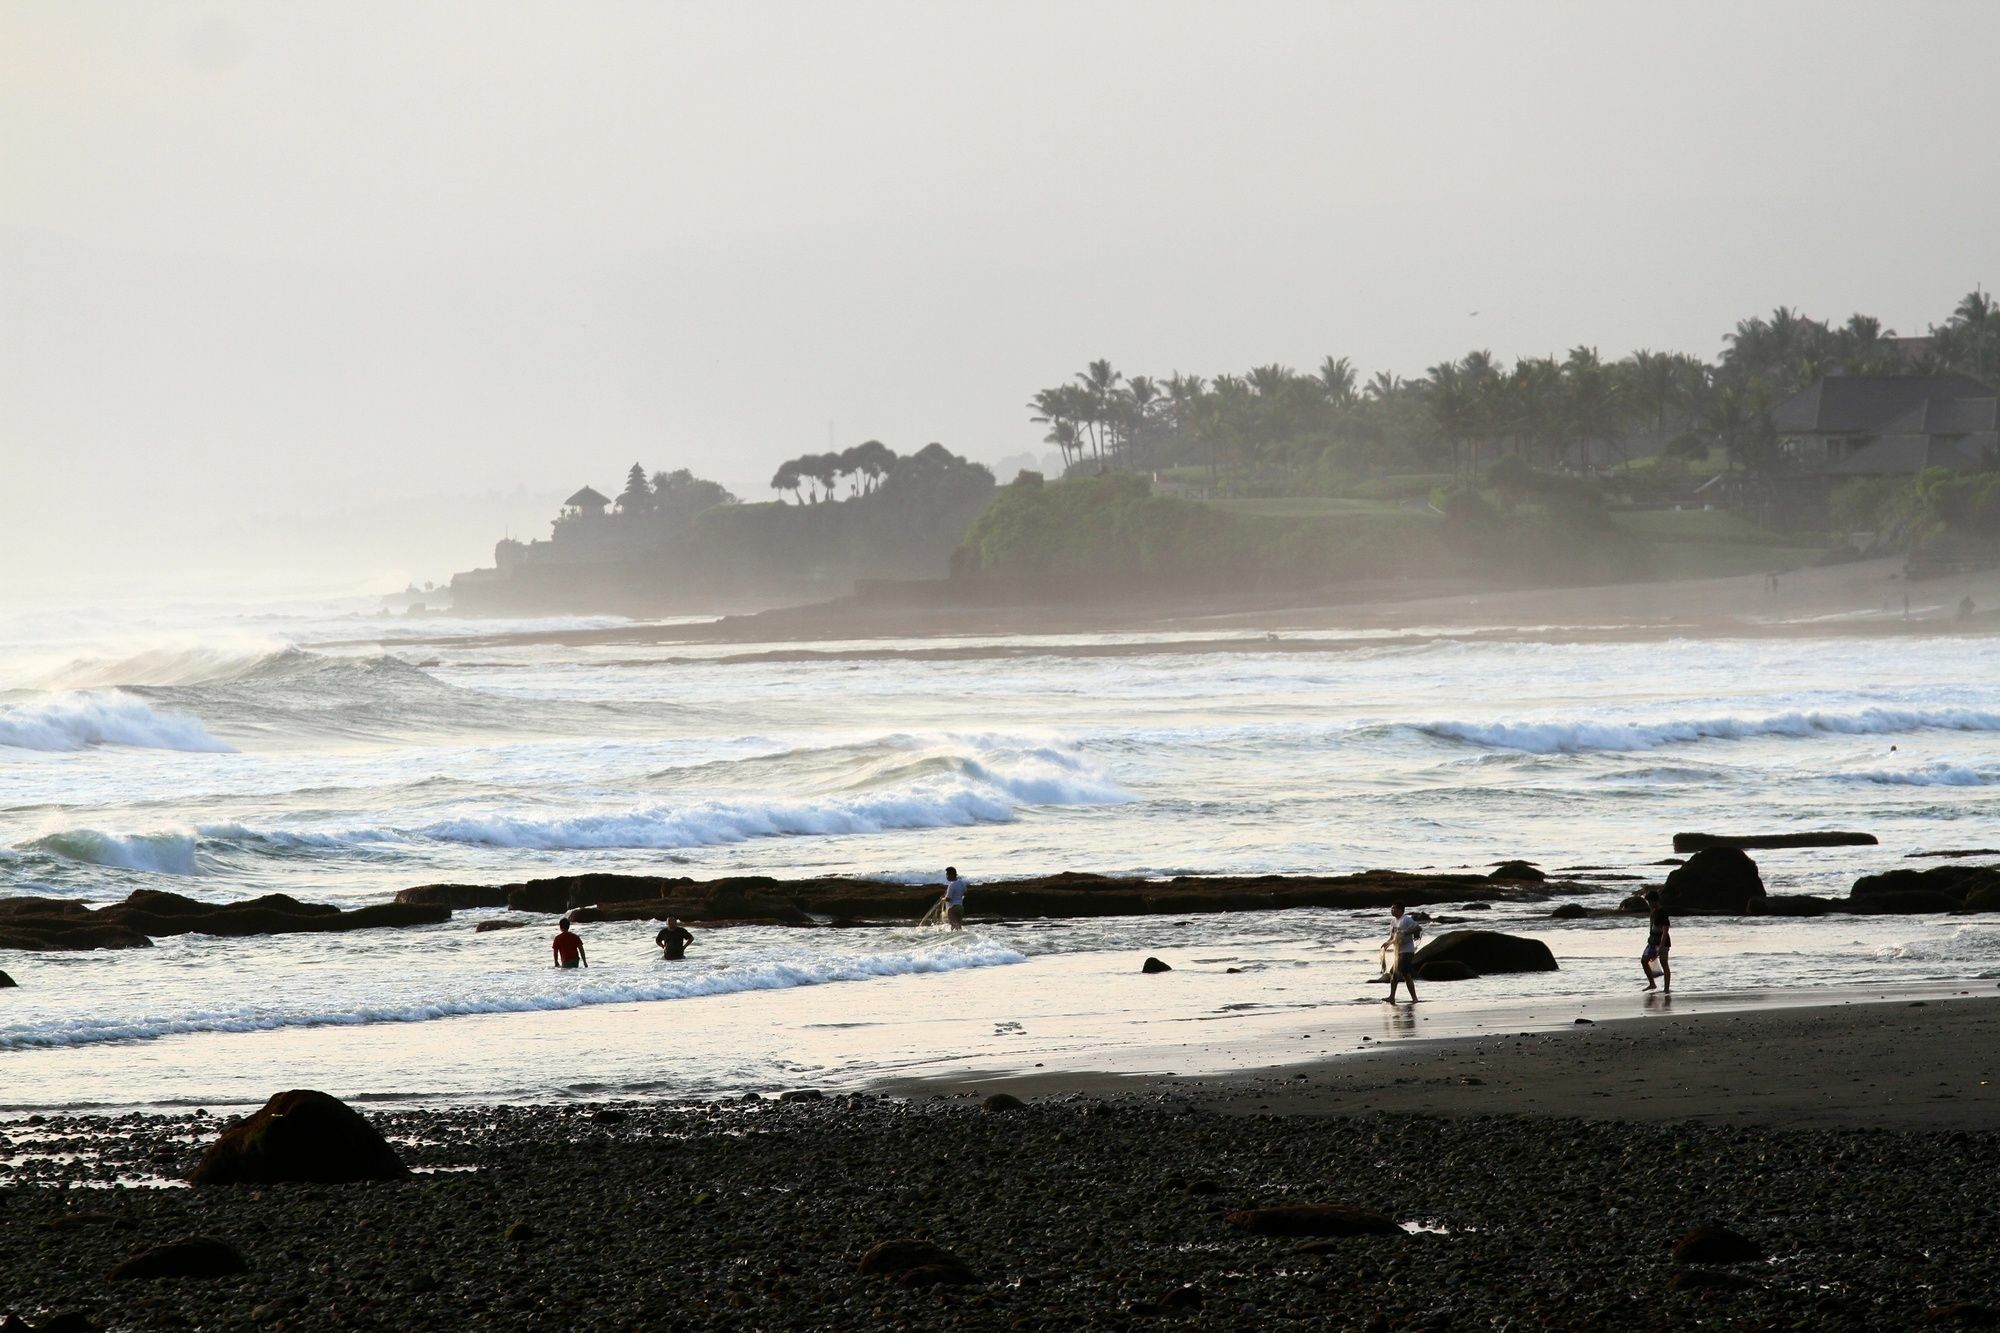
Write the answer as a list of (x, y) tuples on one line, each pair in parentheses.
[(1273, 430)]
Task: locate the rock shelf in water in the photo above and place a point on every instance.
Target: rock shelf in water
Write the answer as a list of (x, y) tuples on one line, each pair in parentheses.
[(63, 924), (813, 901)]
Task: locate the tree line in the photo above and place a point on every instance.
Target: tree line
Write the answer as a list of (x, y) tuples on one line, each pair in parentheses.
[(1575, 411)]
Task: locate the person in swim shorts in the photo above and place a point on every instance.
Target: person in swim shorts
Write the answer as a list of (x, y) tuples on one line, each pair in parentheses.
[(1659, 944)]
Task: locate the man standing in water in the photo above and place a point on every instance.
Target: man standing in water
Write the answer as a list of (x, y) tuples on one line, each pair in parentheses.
[(568, 947), (1404, 938), (673, 940), (954, 898), (1659, 943)]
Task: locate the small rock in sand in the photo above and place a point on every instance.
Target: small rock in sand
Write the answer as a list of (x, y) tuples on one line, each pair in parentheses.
[(1315, 1219), (1152, 965), (1713, 1243), (191, 1256)]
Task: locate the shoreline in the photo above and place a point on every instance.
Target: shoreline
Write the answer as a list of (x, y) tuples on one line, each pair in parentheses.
[(1854, 598)]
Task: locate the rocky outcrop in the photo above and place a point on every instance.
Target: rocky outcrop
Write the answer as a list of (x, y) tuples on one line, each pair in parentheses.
[(1570, 912), (1526, 871), (459, 897), (1694, 842), (1486, 952), (604, 897), (1154, 965), (1949, 888), (1446, 969), (303, 1136), (149, 913), (6, 981), (1718, 881)]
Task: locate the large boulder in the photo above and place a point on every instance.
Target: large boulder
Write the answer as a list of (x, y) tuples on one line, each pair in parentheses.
[(1526, 871), (1446, 969), (463, 896), (6, 981), (1954, 883), (1716, 880), (1486, 952), (299, 1135)]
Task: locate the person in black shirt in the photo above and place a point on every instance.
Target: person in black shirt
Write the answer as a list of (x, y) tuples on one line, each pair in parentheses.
[(1659, 943), (673, 940)]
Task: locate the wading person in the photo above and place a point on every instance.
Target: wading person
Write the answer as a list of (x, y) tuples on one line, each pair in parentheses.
[(673, 940), (568, 947), (954, 898), (1659, 943), (1401, 946)]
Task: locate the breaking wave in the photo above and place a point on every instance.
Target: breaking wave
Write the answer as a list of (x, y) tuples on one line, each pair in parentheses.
[(81, 719), (1564, 737), (161, 853), (561, 991)]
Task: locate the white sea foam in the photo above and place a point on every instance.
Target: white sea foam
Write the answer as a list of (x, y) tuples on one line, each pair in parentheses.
[(162, 853), (1558, 736), (1931, 775), (559, 991), (1961, 944), (80, 719)]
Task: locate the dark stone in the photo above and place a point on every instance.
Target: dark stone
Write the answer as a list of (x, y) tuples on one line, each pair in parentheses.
[(1002, 1101), (1204, 1186), (1314, 1219), (802, 1095), (1696, 842), (1518, 870), (1708, 1279), (1475, 907), (521, 1233), (1152, 965), (299, 1135), (1713, 1243), (609, 1115), (1570, 912), (1635, 902), (1487, 952), (6, 981), (1791, 904), (1913, 902), (1188, 1297), (1716, 880), (903, 1260), (499, 923), (68, 1321), (1954, 883), (1965, 1314), (460, 896), (1445, 969), (192, 1256)]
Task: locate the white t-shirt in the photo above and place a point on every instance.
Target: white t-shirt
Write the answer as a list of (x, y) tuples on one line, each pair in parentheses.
[(954, 893), (1406, 933)]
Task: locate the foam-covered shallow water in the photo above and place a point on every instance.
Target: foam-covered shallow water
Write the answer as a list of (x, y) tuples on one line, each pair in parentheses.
[(224, 754)]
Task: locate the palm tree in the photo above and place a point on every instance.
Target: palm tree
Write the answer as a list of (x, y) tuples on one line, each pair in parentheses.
[(1142, 398), (1337, 381), (1382, 386), (1595, 409), (1099, 381)]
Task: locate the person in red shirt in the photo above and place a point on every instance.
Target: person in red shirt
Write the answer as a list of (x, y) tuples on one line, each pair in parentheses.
[(568, 947)]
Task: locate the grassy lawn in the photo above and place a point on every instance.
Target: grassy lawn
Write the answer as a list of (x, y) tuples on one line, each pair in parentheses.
[(1713, 543), (1308, 506), (1699, 525)]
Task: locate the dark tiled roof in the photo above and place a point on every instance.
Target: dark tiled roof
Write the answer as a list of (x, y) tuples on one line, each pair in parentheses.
[(586, 499), (1882, 404)]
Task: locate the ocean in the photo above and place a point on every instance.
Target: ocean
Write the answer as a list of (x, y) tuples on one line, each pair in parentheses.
[(336, 754)]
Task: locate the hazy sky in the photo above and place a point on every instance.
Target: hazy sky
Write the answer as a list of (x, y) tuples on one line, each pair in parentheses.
[(344, 289)]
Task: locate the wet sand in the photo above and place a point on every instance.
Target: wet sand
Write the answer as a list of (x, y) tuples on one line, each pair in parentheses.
[(1541, 1180)]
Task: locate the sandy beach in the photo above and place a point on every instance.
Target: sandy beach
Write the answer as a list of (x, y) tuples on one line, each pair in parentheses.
[(1541, 1179)]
